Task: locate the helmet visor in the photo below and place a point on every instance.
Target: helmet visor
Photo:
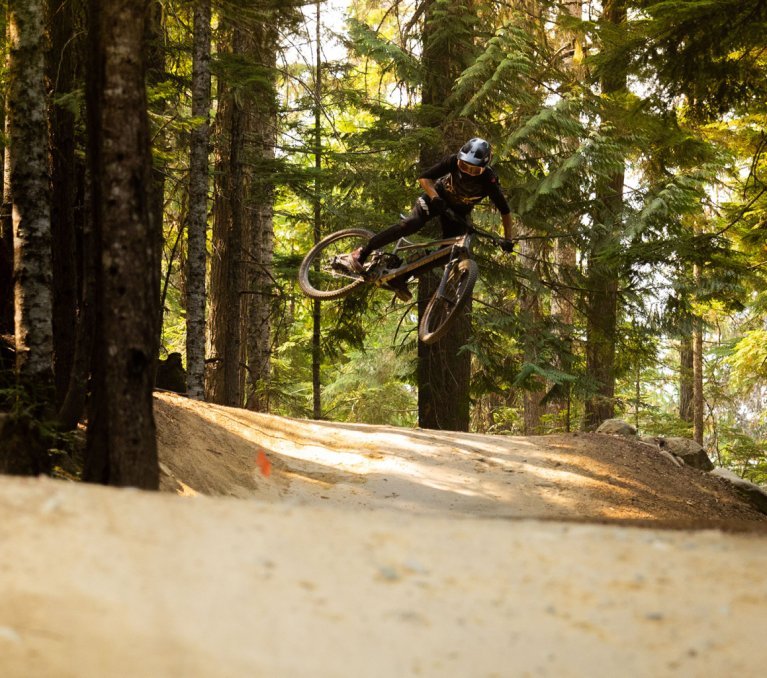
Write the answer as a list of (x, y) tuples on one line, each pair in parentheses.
[(471, 170)]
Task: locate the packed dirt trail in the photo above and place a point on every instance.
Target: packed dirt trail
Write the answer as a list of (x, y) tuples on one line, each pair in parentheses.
[(291, 548)]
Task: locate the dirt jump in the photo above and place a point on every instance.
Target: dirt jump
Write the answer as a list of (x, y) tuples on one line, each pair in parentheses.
[(283, 547)]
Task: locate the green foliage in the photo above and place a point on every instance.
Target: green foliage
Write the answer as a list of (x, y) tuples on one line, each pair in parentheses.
[(687, 132), (749, 360), (743, 453), (391, 57), (32, 442), (371, 388)]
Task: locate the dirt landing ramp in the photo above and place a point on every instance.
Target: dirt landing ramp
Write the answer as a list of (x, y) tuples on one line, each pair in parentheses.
[(101, 582)]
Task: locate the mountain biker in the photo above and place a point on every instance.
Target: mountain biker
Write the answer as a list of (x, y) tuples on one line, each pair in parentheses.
[(458, 182)]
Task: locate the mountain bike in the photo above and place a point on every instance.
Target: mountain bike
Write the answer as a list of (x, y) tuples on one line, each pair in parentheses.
[(325, 273)]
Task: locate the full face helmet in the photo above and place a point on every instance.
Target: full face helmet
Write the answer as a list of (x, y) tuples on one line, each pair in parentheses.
[(474, 156)]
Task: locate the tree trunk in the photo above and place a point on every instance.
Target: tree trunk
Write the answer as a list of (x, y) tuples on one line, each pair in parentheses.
[(444, 371), (6, 246), (316, 305), (156, 75), (6, 223), (198, 204), (562, 312), (260, 223), (444, 374), (697, 370), (602, 279), (565, 256), (74, 402), (259, 347), (121, 447), (686, 384), (65, 170), (530, 256), (30, 191), (224, 383)]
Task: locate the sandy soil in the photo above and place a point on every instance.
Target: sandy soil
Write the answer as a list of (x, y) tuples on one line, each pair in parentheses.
[(313, 549), (216, 450)]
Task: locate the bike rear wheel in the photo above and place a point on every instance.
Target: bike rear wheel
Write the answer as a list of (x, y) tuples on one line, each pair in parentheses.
[(443, 308), (320, 274)]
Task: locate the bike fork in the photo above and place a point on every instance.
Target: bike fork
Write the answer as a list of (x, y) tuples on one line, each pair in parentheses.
[(449, 266)]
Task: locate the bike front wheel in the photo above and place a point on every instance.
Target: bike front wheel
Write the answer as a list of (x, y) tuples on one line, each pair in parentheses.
[(321, 274), (445, 306)]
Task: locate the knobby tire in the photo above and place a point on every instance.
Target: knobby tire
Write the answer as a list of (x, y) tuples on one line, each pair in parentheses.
[(309, 278), (442, 310)]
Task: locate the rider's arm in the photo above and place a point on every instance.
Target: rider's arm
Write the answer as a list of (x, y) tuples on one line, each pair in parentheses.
[(428, 187), (499, 200), (429, 177), (507, 229)]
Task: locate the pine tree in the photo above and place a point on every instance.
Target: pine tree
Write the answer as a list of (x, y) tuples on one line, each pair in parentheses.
[(227, 272), (444, 370), (29, 183), (198, 203), (121, 445), (64, 73)]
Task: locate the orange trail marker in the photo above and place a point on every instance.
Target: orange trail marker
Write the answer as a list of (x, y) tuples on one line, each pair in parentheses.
[(264, 464)]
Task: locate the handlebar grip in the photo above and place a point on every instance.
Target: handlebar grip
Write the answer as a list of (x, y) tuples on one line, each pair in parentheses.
[(506, 245)]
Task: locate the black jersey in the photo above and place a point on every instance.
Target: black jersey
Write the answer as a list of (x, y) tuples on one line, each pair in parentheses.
[(462, 191)]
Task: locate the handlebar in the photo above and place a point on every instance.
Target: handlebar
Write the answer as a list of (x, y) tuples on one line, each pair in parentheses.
[(504, 243)]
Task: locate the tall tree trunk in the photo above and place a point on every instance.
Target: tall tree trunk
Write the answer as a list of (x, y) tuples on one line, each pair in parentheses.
[(224, 383), (198, 204), (261, 238), (316, 305), (121, 447), (602, 279), (65, 169), (30, 192), (530, 257), (562, 312), (686, 384), (6, 222), (698, 401), (73, 322), (565, 256), (444, 371), (155, 46), (74, 402), (6, 248)]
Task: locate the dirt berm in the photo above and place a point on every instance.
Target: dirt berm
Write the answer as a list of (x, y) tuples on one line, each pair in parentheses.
[(318, 549)]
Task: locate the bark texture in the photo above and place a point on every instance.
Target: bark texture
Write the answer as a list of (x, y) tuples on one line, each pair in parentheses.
[(261, 224), (444, 370), (198, 204), (604, 268), (531, 257), (30, 191), (698, 400), (6, 234), (64, 69), (121, 447), (224, 382), (317, 222), (686, 387), (565, 256)]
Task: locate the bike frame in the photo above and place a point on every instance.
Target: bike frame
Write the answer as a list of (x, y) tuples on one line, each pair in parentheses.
[(449, 250)]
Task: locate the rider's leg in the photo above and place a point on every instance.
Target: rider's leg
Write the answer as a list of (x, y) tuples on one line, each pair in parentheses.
[(412, 223), (452, 228)]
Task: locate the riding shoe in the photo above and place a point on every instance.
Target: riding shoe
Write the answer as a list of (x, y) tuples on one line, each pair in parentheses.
[(355, 263)]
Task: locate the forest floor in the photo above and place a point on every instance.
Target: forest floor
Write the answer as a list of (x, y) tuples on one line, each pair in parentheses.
[(304, 548)]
